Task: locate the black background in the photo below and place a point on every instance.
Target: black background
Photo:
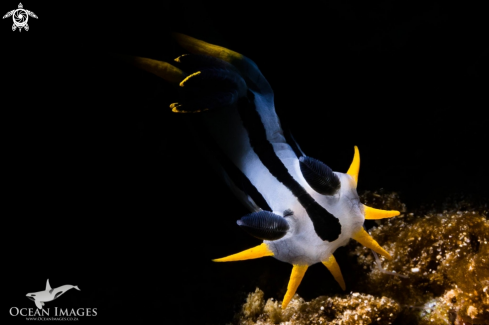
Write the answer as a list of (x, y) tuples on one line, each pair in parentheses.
[(104, 189)]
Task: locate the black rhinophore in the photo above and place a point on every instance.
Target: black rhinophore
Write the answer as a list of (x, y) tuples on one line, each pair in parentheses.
[(319, 176), (264, 225)]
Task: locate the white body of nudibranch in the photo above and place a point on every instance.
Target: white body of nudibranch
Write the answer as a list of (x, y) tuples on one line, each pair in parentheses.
[(301, 209), (301, 245)]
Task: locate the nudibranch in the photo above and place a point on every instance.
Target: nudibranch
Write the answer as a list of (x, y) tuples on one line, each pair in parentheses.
[(301, 209)]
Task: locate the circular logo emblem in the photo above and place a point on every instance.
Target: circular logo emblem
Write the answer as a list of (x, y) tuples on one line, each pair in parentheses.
[(20, 17)]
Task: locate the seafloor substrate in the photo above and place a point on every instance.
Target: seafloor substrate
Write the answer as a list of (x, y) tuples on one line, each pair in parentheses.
[(439, 273)]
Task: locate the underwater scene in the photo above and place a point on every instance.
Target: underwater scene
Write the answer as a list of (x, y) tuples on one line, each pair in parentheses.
[(250, 163)]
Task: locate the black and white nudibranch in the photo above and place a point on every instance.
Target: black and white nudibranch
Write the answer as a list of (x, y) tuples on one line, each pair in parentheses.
[(301, 209)]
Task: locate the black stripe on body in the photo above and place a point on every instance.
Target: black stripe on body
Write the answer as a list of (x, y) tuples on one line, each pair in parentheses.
[(326, 225), (235, 174)]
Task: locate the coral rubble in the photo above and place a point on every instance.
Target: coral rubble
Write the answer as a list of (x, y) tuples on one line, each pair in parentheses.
[(445, 255), (355, 308), (442, 258)]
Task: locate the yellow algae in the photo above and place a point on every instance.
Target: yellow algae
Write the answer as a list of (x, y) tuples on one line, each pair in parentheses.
[(254, 304)]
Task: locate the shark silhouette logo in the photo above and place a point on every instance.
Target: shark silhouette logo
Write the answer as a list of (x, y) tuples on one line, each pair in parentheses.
[(49, 294)]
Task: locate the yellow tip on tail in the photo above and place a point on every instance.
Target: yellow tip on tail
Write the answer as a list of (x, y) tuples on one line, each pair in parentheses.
[(334, 268), (375, 214), (197, 46), (366, 240), (298, 272), (255, 252), (355, 165), (162, 69)]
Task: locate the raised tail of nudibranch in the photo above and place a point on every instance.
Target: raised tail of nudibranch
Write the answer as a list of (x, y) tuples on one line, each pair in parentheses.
[(322, 211)]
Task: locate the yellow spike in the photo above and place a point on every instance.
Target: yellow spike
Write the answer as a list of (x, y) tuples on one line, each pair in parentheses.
[(298, 272), (334, 268), (160, 68), (366, 240), (197, 46), (355, 166), (255, 252), (375, 214)]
